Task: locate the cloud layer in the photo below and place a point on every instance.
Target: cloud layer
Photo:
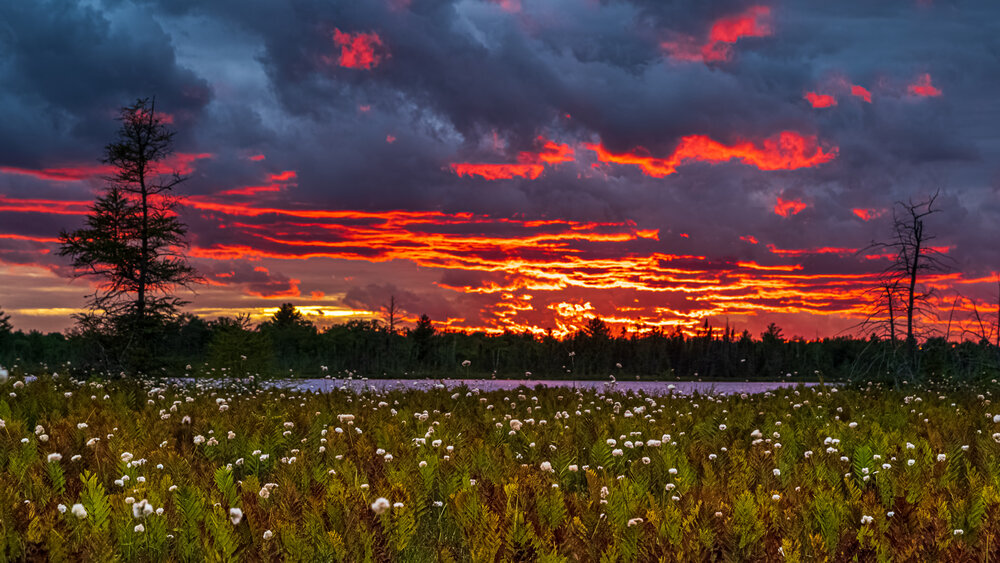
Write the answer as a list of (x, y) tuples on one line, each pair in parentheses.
[(515, 165)]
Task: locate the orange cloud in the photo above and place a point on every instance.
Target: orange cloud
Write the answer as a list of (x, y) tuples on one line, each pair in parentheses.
[(786, 151), (788, 207), (724, 32), (820, 100), (809, 251), (923, 87), (516, 274), (550, 153), (531, 163), (359, 50)]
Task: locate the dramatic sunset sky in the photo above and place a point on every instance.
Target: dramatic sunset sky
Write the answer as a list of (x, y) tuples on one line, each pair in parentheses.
[(515, 164)]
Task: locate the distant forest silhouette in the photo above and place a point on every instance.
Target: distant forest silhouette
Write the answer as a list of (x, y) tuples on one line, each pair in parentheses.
[(288, 345)]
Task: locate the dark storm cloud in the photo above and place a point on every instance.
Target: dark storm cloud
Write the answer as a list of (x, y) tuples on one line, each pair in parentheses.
[(67, 68), (467, 81), (253, 279), (376, 297)]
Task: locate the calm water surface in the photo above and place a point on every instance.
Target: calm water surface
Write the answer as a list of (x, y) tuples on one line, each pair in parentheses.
[(649, 387)]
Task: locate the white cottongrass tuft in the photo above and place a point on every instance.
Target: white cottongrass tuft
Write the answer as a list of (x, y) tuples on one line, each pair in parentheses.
[(141, 509), (380, 505)]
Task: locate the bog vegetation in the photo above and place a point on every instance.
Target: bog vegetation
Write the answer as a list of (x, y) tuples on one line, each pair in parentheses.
[(144, 470)]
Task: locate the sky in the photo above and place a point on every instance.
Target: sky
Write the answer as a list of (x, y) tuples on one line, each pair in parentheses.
[(516, 164)]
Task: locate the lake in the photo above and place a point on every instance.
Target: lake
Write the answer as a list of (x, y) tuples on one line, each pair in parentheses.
[(648, 387)]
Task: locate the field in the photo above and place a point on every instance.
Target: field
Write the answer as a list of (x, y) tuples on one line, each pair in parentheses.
[(156, 471)]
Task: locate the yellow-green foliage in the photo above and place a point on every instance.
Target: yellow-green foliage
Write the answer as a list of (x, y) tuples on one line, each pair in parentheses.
[(237, 473)]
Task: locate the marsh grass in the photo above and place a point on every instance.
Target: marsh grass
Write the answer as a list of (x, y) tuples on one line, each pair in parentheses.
[(532, 474)]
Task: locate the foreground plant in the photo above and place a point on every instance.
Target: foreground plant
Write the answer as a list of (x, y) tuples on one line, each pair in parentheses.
[(153, 471)]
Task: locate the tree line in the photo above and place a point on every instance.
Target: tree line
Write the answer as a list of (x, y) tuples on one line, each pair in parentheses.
[(133, 244), (288, 345)]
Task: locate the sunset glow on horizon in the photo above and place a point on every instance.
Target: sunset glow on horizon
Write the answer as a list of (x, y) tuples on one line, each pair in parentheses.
[(510, 166)]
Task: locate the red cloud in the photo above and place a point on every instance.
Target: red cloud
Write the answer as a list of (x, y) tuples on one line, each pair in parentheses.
[(160, 116), (359, 50), (868, 214), (497, 171), (63, 174), (509, 6), (862, 93), (747, 24), (787, 151), (820, 100), (182, 163), (281, 289), (789, 207), (721, 36), (923, 87), (53, 206), (283, 176)]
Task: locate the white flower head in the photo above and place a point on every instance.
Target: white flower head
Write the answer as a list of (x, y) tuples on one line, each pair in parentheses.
[(141, 509), (380, 505)]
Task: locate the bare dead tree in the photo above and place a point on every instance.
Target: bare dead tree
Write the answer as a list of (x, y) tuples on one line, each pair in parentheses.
[(901, 291), (883, 314), (391, 310), (984, 330)]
